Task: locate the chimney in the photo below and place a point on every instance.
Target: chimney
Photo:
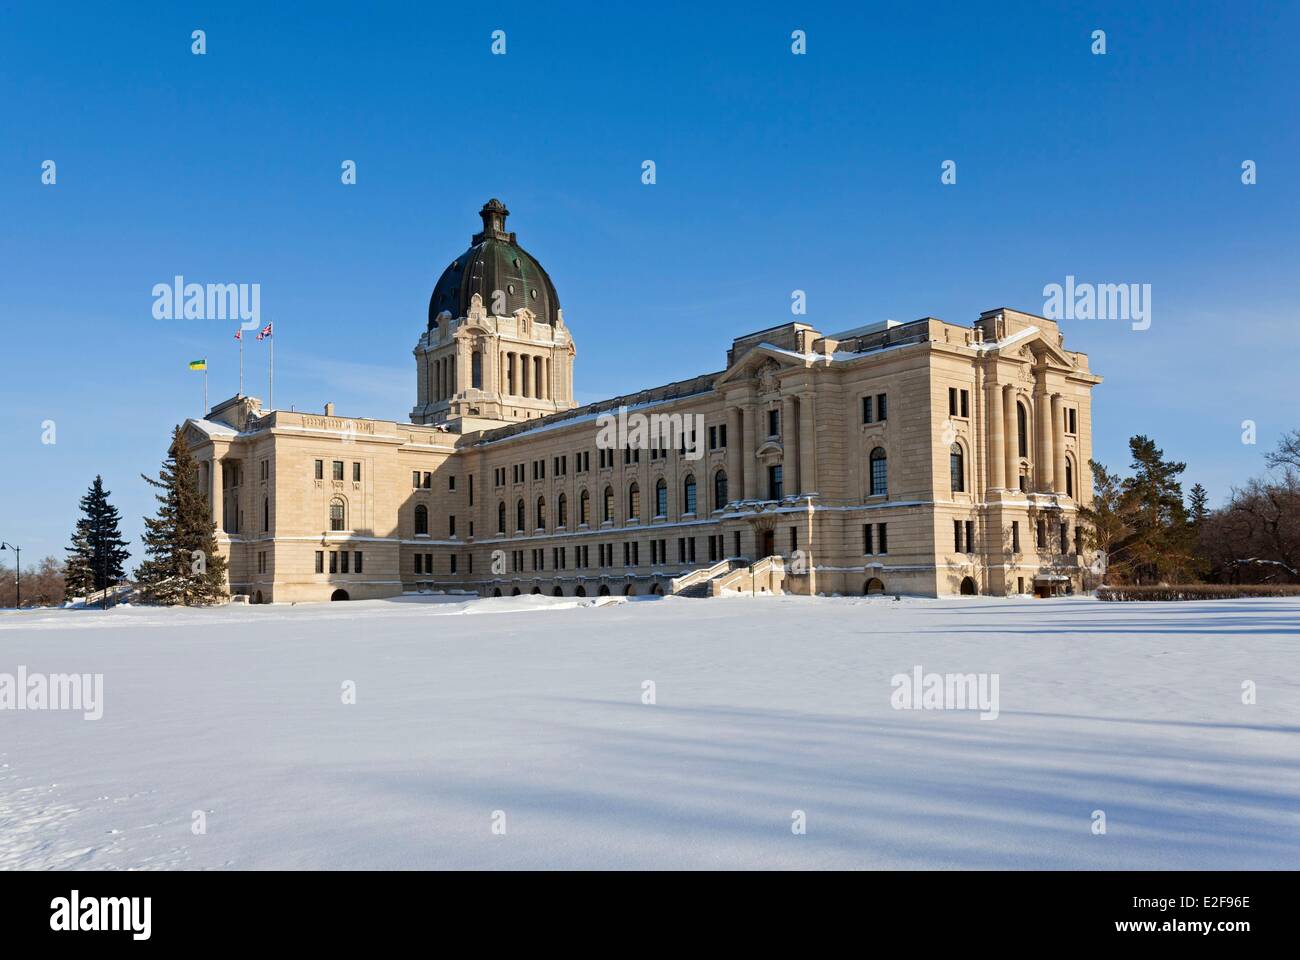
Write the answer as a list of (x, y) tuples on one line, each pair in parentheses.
[(329, 409)]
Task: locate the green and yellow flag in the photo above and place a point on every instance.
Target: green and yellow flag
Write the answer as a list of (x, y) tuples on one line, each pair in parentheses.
[(198, 364)]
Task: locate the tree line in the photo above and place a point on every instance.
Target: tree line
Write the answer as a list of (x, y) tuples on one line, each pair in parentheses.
[(181, 563), (1149, 533)]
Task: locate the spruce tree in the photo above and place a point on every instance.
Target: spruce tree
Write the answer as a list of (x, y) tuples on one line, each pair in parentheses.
[(183, 566), (1198, 505), (98, 552), (1162, 545)]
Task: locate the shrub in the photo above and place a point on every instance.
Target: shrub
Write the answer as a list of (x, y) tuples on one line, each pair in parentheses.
[(1198, 591)]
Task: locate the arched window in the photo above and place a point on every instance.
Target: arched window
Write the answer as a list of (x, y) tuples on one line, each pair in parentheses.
[(541, 513), (879, 473), (519, 516), (1069, 477), (584, 507), (719, 490), (688, 495), (421, 520), (607, 513), (476, 370), (634, 502), (562, 512), (1022, 430), (336, 514), (501, 517), (661, 497), (957, 467)]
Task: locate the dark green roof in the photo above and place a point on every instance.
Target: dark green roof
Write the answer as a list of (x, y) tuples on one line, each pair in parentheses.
[(494, 262)]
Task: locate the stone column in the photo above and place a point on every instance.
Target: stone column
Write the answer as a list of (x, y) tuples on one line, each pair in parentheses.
[(217, 493), (461, 379), (807, 444), (790, 451), (734, 452), (1009, 429), (996, 438), (1058, 445), (748, 461), (1043, 435)]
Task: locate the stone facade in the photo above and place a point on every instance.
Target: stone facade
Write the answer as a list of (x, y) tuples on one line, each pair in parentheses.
[(923, 458)]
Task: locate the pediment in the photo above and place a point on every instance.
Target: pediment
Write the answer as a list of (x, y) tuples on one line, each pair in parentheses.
[(764, 363)]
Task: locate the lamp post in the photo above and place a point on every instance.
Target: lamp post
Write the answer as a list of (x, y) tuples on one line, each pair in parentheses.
[(18, 573)]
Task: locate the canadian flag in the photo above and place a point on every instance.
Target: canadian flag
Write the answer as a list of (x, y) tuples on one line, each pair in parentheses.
[(265, 332)]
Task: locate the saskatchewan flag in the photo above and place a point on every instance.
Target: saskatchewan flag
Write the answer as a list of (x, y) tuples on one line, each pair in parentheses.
[(198, 364)]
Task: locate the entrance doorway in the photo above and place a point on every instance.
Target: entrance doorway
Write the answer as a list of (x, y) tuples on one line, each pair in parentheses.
[(769, 544), (339, 595)]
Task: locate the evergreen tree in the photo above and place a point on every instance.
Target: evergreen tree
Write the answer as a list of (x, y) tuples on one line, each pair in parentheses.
[(1198, 505), (1106, 526), (183, 566), (98, 552), (1162, 545)]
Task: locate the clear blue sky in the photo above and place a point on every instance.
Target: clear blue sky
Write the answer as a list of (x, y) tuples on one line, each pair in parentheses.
[(775, 172)]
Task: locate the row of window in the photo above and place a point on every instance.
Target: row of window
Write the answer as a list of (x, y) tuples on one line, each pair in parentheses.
[(339, 561), (336, 470), (690, 504)]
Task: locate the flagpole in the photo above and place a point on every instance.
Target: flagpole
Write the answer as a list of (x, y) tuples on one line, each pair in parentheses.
[(205, 389), (241, 363), (270, 378)]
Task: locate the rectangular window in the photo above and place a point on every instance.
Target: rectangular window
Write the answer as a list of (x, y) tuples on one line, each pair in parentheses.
[(636, 553), (1078, 539), (627, 553), (965, 403), (356, 560), (338, 469), (735, 539), (882, 536), (773, 423), (970, 536), (956, 535), (451, 525), (880, 407), (867, 408), (774, 483), (952, 401), (428, 563), (1071, 425), (1015, 536), (334, 562), (471, 500), (690, 549), (1065, 538), (867, 547), (1042, 535), (320, 561), (713, 438), (722, 435), (794, 539), (428, 481), (266, 469), (343, 561), (320, 469), (356, 472), (453, 563)]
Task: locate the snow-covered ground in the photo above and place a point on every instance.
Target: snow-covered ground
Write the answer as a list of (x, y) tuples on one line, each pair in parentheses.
[(532, 706)]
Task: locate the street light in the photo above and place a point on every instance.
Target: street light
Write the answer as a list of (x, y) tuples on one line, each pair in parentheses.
[(18, 573)]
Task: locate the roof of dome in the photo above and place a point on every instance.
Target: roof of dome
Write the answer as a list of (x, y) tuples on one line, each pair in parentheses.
[(494, 262)]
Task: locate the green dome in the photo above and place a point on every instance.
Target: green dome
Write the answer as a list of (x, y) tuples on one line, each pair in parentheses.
[(494, 262)]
